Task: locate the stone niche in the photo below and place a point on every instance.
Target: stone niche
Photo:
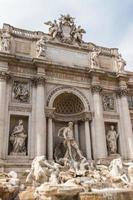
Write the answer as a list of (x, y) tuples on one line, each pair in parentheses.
[(18, 136), (113, 137)]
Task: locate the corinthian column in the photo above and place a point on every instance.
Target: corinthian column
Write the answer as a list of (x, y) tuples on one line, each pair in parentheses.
[(40, 116), (87, 139), (76, 132), (98, 137), (126, 135), (3, 84)]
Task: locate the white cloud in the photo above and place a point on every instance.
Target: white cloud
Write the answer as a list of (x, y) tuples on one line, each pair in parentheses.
[(126, 47), (100, 18)]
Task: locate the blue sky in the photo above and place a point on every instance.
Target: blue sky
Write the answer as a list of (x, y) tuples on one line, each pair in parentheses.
[(107, 23)]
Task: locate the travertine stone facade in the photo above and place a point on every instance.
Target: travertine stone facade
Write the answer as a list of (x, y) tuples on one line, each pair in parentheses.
[(47, 80)]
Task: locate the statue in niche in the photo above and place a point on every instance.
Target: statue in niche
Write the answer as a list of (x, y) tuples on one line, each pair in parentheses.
[(94, 62), (53, 29), (111, 138), (108, 102), (120, 63), (21, 93), (18, 139), (5, 41), (41, 47), (72, 149)]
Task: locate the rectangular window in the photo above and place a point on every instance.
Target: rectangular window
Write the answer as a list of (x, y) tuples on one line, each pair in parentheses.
[(130, 102)]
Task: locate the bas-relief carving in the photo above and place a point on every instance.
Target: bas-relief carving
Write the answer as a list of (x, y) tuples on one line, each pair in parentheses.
[(5, 43), (18, 139), (65, 30), (21, 92), (111, 138), (108, 102)]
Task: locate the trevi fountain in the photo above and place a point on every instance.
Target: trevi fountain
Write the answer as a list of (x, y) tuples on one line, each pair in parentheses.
[(66, 116)]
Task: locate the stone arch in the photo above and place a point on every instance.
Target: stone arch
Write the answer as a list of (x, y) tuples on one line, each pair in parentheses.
[(60, 90)]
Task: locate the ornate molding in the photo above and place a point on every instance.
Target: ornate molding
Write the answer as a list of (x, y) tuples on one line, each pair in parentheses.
[(73, 117), (122, 92), (49, 112), (87, 116), (96, 89), (38, 80), (69, 89), (19, 108), (4, 75)]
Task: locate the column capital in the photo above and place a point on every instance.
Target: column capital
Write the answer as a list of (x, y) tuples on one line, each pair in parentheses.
[(5, 75), (38, 80), (87, 116), (50, 112), (121, 92), (96, 89)]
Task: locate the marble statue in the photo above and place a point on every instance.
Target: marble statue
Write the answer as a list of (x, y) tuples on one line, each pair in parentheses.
[(9, 185), (65, 30), (78, 34), (111, 138), (94, 62), (41, 47), (69, 141), (53, 29), (21, 92), (40, 171), (117, 172), (66, 19), (120, 63), (5, 41), (18, 138)]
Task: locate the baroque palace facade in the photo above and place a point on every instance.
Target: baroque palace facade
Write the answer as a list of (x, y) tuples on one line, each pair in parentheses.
[(48, 80)]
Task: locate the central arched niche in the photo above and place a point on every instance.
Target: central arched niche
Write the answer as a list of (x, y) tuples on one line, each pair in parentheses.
[(68, 103), (68, 107)]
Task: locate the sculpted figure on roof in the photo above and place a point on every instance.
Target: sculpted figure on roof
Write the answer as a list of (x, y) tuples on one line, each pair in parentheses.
[(65, 30)]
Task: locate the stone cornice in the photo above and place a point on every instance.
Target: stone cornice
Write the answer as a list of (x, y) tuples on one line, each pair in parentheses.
[(34, 35), (73, 117)]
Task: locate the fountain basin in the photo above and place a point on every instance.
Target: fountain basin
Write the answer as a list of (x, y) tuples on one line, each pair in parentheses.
[(124, 194)]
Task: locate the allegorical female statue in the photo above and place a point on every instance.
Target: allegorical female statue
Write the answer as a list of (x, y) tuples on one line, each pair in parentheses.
[(18, 139), (111, 138)]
